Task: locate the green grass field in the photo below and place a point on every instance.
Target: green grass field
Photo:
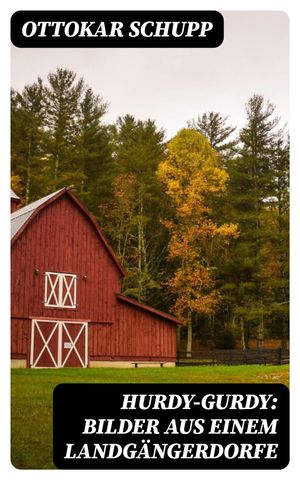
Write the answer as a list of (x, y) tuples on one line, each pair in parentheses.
[(31, 397)]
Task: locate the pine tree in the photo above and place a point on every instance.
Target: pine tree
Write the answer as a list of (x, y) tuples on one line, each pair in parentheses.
[(138, 150), (214, 127), (62, 99), (275, 251), (94, 150), (27, 140), (251, 185)]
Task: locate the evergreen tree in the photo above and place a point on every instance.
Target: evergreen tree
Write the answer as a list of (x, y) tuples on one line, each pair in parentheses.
[(94, 150), (27, 140), (275, 250), (139, 148), (214, 127), (62, 99), (58, 139), (251, 185)]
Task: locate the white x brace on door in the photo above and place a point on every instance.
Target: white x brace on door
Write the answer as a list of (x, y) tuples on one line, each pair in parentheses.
[(58, 344), (60, 290)]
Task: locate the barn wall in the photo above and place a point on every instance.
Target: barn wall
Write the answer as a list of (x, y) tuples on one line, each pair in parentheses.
[(136, 335), (20, 338), (61, 239), (14, 204)]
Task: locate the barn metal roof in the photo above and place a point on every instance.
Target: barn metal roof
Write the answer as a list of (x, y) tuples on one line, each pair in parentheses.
[(19, 217), (152, 310), (14, 195), (22, 218)]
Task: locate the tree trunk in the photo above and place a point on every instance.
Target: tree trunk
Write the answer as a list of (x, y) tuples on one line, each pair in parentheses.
[(27, 188), (28, 175), (260, 334), (284, 334), (143, 239), (142, 255), (178, 338), (189, 342), (56, 167), (140, 284), (243, 334)]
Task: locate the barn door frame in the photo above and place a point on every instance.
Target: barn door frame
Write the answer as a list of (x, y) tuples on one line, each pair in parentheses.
[(59, 289), (60, 326)]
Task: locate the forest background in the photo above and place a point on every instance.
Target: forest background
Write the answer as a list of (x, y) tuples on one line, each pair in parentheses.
[(200, 221)]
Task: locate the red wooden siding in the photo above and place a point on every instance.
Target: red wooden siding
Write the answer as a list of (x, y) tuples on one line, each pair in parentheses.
[(61, 239), (141, 334), (14, 204), (136, 335), (20, 338)]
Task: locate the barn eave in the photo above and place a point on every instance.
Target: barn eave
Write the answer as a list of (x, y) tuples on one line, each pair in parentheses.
[(24, 216), (146, 308)]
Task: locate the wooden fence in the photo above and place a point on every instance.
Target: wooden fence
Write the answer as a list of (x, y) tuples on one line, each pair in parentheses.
[(277, 356)]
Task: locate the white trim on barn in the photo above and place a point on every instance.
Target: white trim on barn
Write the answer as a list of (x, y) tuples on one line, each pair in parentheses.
[(60, 290), (72, 344), (58, 349), (36, 328)]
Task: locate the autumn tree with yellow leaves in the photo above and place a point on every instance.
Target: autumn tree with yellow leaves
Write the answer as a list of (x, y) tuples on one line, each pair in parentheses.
[(193, 177)]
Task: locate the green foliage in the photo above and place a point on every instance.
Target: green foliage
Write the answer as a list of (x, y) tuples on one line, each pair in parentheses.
[(258, 190), (59, 138), (225, 339), (28, 139), (94, 152), (214, 127), (132, 216), (192, 177), (62, 97)]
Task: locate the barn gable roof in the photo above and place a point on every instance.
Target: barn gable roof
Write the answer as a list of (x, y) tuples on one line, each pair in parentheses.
[(22, 218), (154, 311), (14, 195)]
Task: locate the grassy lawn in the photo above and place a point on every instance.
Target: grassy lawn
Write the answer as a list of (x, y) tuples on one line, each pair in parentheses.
[(31, 396)]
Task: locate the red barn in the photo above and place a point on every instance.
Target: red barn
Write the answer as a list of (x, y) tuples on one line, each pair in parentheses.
[(67, 309), (14, 201)]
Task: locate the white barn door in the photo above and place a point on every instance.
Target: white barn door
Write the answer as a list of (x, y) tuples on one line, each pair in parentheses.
[(58, 344)]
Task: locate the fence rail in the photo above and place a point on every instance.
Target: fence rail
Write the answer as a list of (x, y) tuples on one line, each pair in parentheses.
[(277, 356)]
